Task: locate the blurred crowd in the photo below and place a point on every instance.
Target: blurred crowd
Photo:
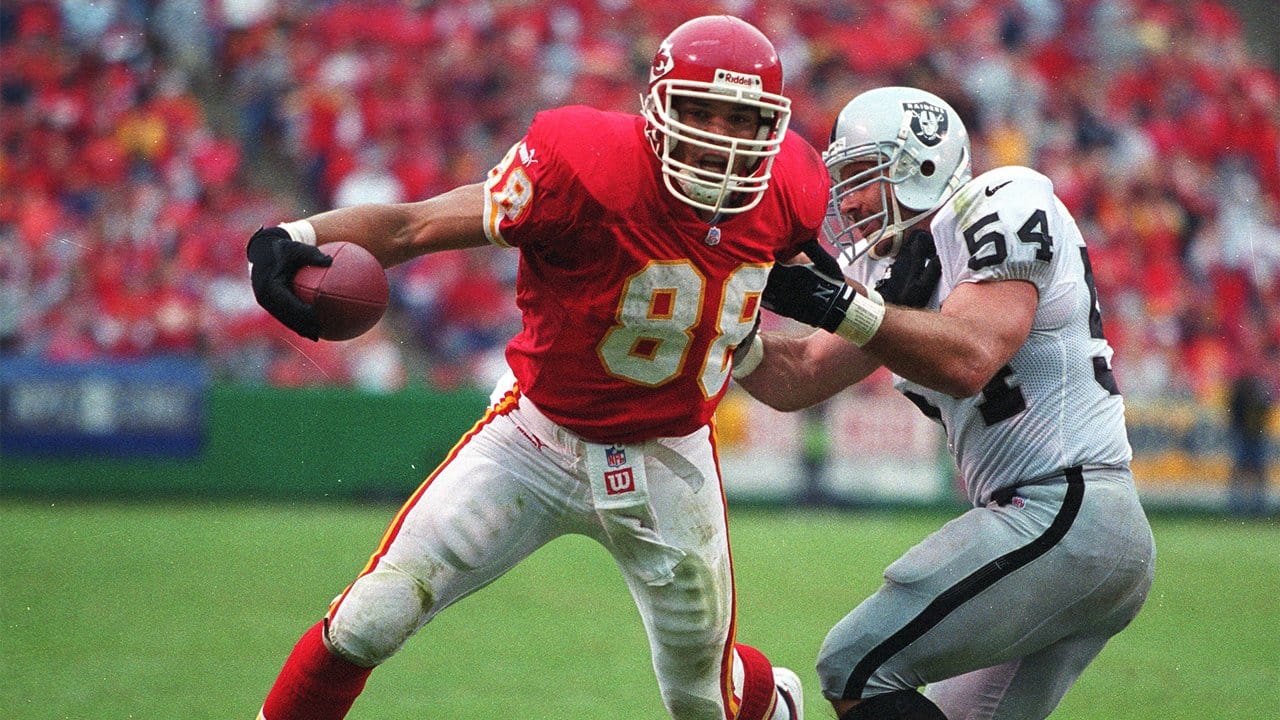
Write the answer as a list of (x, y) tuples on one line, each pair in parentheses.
[(144, 141)]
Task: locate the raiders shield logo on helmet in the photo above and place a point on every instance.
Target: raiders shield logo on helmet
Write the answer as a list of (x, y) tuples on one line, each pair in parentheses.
[(928, 122)]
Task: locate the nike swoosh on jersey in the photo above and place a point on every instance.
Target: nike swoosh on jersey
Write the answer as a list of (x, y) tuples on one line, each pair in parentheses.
[(992, 190)]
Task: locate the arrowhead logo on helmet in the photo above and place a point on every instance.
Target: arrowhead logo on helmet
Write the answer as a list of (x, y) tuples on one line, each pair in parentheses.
[(662, 62)]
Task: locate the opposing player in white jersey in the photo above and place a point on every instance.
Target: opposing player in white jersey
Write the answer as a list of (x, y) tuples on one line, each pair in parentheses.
[(997, 335)]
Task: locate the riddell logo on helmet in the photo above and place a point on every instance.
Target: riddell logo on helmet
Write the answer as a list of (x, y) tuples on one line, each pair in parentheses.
[(836, 147), (736, 79)]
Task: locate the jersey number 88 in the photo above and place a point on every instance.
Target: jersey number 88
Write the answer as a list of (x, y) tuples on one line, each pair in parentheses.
[(659, 309)]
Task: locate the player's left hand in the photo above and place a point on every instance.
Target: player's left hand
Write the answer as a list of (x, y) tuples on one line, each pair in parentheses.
[(915, 272), (276, 258)]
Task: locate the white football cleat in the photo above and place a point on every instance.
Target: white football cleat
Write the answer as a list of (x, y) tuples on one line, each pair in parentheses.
[(788, 684)]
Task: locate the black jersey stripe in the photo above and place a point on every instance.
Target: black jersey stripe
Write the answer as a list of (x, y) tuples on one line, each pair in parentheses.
[(966, 589)]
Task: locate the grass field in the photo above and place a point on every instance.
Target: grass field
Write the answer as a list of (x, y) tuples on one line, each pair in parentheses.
[(187, 611)]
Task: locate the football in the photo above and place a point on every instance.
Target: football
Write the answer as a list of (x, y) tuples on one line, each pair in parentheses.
[(349, 296)]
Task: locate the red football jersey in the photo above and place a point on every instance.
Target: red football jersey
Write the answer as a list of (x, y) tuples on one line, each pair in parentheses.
[(631, 302)]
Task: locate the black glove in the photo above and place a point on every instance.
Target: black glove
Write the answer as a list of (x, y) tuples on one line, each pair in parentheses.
[(276, 259), (915, 272), (801, 293)]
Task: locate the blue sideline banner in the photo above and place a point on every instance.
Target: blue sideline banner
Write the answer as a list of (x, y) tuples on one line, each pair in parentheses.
[(157, 407)]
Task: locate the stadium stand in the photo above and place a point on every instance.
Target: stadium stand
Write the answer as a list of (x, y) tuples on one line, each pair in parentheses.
[(143, 141)]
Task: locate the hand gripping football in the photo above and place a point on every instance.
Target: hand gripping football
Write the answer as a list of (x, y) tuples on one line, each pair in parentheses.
[(349, 296)]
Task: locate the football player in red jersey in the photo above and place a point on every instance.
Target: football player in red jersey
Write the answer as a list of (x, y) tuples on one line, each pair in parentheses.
[(645, 242)]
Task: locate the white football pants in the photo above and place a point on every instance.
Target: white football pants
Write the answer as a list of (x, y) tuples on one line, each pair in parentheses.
[(516, 482)]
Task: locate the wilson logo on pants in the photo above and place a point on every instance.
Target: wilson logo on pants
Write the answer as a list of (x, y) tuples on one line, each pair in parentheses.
[(621, 481)]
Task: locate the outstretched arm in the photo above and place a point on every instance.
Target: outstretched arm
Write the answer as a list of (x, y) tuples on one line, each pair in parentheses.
[(796, 372), (400, 232), (956, 350), (960, 348), (393, 233)]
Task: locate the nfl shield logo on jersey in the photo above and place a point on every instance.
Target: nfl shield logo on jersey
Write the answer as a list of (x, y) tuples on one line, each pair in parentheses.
[(615, 456)]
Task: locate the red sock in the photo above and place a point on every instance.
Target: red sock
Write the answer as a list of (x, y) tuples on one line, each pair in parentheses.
[(314, 684), (758, 692)]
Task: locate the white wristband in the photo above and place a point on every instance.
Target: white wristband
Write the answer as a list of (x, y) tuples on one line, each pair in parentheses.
[(300, 231), (755, 353), (863, 318)]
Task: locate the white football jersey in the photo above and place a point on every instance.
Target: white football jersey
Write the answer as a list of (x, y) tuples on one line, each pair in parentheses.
[(1055, 404)]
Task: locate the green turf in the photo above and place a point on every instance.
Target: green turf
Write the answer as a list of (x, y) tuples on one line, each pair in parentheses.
[(179, 611)]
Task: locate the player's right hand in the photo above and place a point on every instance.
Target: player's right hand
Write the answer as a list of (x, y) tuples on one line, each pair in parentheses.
[(915, 272), (275, 258)]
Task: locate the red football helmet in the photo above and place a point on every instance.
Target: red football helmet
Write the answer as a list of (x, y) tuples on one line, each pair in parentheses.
[(720, 58)]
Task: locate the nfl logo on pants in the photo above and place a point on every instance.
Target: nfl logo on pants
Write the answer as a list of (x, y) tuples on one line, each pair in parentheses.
[(615, 456), (618, 481)]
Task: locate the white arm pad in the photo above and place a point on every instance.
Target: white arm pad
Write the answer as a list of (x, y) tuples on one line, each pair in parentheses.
[(300, 231), (755, 353), (863, 318)]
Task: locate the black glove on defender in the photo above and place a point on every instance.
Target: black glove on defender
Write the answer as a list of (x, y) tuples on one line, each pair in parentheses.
[(801, 293), (915, 272)]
